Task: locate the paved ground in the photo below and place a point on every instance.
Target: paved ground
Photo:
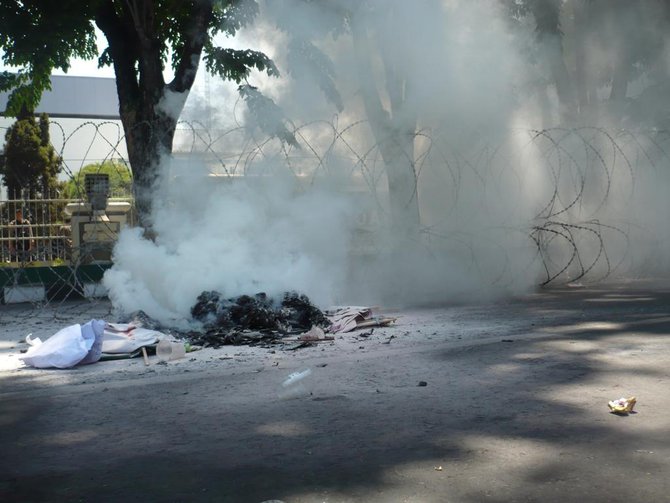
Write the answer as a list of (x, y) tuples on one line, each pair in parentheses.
[(514, 409)]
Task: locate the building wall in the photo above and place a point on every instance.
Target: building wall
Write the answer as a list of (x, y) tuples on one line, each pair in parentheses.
[(77, 97)]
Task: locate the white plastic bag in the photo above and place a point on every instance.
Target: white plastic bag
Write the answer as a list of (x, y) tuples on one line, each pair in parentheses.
[(97, 329), (67, 347)]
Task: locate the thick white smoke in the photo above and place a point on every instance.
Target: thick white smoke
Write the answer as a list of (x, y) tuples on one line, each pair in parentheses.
[(503, 205), (234, 235)]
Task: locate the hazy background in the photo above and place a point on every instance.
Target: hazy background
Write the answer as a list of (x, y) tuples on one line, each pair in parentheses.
[(532, 133)]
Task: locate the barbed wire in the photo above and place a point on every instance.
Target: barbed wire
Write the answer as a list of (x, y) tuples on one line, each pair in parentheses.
[(567, 193)]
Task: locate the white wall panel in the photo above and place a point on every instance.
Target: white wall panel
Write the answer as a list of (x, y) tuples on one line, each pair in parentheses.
[(77, 97)]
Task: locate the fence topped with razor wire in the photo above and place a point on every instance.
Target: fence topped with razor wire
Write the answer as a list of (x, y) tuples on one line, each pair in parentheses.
[(582, 203)]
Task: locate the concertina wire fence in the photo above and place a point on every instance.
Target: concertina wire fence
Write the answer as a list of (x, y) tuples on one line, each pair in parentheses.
[(569, 194)]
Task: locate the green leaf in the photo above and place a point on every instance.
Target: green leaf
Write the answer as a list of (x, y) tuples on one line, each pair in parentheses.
[(232, 64), (306, 60), (266, 115), (9, 80), (120, 179), (231, 15), (30, 161)]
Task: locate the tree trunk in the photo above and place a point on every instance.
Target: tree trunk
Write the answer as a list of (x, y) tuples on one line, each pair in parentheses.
[(561, 78), (136, 54), (547, 15), (398, 154), (148, 141), (620, 78), (623, 15), (582, 74), (394, 133)]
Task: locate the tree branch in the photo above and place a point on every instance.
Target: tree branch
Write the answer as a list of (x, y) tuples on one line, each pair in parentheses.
[(374, 108), (123, 53), (194, 41)]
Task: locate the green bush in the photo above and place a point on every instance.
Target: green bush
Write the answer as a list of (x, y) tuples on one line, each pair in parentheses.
[(120, 179)]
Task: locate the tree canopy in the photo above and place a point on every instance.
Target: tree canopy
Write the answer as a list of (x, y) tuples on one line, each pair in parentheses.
[(595, 49), (29, 161), (120, 179), (582, 45), (144, 37), (37, 37)]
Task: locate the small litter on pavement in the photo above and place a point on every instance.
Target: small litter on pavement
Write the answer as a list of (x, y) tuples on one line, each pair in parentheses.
[(349, 318), (622, 406), (170, 350), (295, 385), (315, 334)]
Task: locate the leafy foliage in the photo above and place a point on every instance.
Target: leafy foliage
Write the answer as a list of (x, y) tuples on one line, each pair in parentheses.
[(267, 115), (306, 60), (144, 37), (120, 179), (235, 65), (29, 161), (229, 16), (38, 37), (316, 19), (599, 45)]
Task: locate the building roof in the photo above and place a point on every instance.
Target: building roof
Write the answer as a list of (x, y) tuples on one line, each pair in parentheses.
[(77, 97)]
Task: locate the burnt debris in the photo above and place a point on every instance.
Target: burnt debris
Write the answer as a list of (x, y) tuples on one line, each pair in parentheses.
[(252, 320)]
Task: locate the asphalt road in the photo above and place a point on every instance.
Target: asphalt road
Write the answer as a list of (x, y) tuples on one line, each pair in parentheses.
[(514, 408)]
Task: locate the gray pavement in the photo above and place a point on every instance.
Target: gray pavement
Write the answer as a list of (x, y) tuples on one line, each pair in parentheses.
[(514, 409)]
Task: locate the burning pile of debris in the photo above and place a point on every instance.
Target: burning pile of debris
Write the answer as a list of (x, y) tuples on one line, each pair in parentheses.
[(262, 321), (256, 320)]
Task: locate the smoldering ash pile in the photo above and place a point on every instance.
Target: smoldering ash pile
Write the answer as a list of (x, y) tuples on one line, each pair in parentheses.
[(253, 319), (242, 320)]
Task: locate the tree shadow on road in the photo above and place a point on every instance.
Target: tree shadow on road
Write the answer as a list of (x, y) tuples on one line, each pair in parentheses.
[(505, 421)]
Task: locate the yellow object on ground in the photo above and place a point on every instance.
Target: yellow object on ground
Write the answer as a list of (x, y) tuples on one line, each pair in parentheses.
[(622, 405)]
